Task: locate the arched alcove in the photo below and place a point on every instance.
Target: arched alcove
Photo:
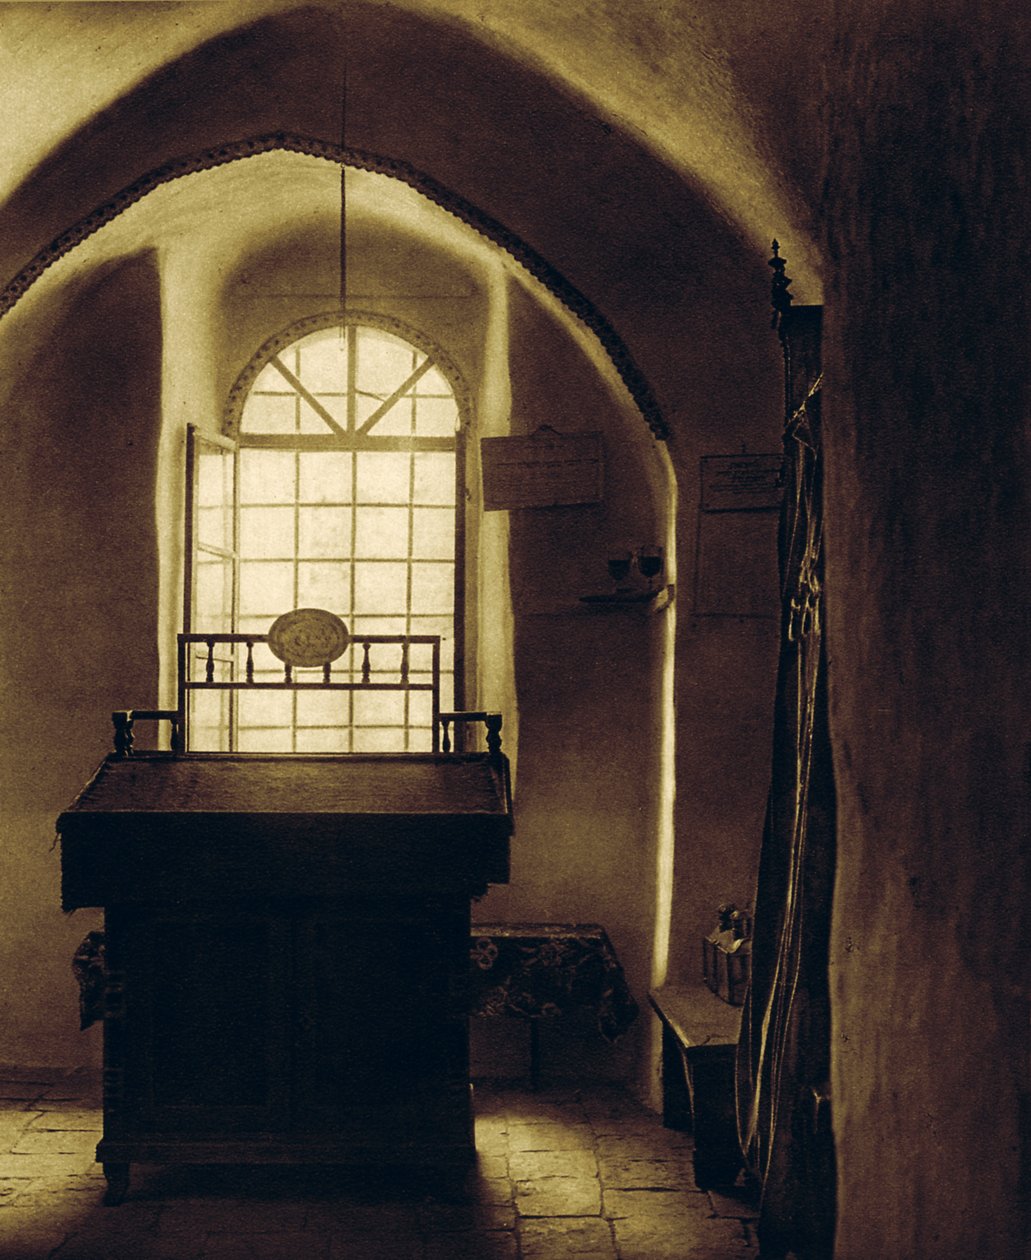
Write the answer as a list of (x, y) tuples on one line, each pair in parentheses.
[(577, 234), (233, 279)]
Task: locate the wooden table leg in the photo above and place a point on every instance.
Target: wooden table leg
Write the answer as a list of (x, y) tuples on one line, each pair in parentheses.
[(717, 1155), (117, 1177), (676, 1099)]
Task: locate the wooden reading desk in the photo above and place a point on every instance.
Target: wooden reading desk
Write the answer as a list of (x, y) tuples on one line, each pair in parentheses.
[(287, 944)]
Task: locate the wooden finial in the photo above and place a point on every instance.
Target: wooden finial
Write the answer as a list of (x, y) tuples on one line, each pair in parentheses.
[(493, 724), (122, 720), (780, 298)]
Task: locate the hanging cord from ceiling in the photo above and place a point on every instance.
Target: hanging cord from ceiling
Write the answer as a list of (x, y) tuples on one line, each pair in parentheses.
[(343, 185)]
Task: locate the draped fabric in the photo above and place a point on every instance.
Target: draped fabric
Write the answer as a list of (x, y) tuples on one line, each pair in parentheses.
[(784, 1051), (537, 970)]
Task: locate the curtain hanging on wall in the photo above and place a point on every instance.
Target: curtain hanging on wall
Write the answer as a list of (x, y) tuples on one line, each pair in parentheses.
[(784, 1051)]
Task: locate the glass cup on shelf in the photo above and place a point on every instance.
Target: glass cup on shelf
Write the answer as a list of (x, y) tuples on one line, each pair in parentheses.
[(649, 564), (619, 569)]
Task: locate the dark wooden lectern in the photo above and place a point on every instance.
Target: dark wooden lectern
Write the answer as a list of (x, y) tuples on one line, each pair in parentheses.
[(287, 950)]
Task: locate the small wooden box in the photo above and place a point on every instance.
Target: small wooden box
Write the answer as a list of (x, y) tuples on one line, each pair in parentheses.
[(727, 972)]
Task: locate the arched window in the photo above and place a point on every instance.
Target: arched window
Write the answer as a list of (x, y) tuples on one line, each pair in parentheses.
[(343, 490)]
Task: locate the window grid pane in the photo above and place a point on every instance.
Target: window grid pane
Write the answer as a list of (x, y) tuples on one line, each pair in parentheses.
[(367, 534)]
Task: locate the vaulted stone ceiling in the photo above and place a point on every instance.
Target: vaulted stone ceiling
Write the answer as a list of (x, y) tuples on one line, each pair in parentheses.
[(509, 105)]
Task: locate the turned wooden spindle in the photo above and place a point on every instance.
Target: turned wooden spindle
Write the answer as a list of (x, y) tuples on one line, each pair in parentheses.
[(493, 723), (366, 667), (122, 721), (249, 666)]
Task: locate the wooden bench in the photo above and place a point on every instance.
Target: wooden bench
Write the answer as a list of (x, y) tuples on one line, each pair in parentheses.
[(699, 1046)]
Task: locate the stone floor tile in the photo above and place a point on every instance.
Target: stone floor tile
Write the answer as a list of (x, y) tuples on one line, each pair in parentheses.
[(495, 1123), (74, 1211), (531, 1111), (90, 1182), (652, 1238), (535, 1186), (525, 1165), (353, 1219), (285, 1246), (472, 1246), (16, 1119), (11, 1188), (88, 1246), (40, 1165), (559, 1196), (28, 1233), (552, 1238), (491, 1136), (450, 1218), (64, 1119), (603, 1100), (493, 1190), (618, 1135), (490, 1166), (548, 1137), (642, 1146), (56, 1142), (374, 1247), (34, 1245), (72, 1094), (231, 1216), (555, 1092), (631, 1204), (98, 1240), (54, 1216), (636, 1174)]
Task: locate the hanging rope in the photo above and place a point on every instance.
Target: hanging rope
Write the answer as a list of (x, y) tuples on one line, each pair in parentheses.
[(785, 1042), (343, 184)]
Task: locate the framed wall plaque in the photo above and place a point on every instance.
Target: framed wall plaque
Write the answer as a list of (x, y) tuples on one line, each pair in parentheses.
[(544, 469), (741, 483)]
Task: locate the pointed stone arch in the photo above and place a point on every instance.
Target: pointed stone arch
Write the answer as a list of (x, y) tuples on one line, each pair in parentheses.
[(483, 224)]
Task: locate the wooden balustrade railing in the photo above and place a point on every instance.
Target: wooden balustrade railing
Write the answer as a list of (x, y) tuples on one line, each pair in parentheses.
[(363, 675)]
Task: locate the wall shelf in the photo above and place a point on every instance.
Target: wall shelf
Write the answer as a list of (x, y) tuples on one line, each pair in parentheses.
[(647, 601)]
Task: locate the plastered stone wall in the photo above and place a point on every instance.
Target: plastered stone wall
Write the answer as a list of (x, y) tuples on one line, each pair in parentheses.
[(927, 579), (726, 613), (80, 404), (590, 717)]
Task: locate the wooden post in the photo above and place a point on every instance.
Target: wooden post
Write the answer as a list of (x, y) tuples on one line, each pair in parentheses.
[(122, 719)]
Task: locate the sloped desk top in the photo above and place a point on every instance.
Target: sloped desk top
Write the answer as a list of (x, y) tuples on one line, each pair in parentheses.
[(406, 784), (210, 825)]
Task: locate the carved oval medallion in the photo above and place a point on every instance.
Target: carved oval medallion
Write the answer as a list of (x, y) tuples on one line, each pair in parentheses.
[(308, 637)]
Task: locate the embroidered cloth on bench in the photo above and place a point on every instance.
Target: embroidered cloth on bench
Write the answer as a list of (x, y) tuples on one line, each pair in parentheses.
[(536, 970), (524, 970)]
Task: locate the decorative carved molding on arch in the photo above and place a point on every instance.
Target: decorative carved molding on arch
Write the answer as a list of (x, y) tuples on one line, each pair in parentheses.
[(483, 224), (332, 319)]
